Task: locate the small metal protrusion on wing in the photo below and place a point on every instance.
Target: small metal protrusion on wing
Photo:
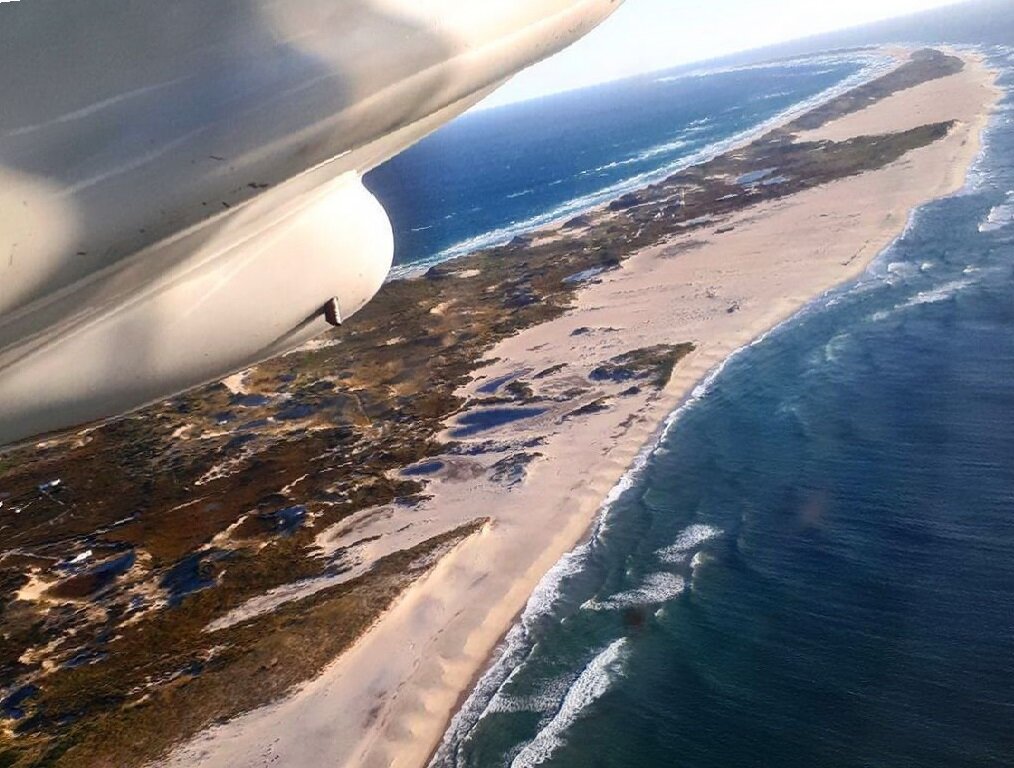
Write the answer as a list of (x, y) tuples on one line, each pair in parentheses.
[(332, 313)]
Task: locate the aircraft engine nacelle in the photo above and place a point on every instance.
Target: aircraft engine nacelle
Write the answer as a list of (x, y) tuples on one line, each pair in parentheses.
[(270, 278)]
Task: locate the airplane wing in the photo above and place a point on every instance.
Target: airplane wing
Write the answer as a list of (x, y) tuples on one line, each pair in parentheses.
[(180, 183)]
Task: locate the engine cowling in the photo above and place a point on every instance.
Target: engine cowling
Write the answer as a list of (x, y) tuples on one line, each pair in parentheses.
[(255, 286)]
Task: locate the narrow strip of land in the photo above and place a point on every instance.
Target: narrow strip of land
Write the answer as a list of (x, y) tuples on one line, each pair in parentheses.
[(563, 407), (322, 552)]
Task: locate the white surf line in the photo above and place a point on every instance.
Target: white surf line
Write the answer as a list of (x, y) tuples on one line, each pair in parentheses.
[(876, 66)]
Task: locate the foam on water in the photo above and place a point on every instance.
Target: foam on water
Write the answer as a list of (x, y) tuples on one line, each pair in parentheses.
[(488, 696), (545, 701), (873, 67), (1000, 216), (591, 686), (938, 294), (662, 149), (657, 588), (690, 539), (699, 559), (835, 346), (869, 58), (902, 269), (935, 295), (781, 94)]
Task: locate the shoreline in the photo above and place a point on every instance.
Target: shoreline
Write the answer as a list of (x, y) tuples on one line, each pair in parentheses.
[(398, 700), (893, 56), (691, 389)]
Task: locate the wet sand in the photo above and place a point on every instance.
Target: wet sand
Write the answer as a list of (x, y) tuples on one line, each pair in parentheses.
[(388, 700)]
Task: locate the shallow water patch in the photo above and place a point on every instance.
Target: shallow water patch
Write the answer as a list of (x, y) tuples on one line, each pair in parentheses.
[(493, 385), (424, 469), (194, 573), (477, 422), (13, 706)]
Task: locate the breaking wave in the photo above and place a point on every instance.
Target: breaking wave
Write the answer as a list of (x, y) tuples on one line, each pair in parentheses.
[(689, 540), (657, 588), (936, 295), (1000, 217), (590, 686), (873, 67), (871, 59), (488, 696)]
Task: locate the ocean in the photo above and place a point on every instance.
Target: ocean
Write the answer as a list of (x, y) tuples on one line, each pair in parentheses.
[(814, 566), (497, 173)]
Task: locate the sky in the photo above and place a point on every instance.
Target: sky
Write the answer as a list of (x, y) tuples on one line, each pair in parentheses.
[(650, 35)]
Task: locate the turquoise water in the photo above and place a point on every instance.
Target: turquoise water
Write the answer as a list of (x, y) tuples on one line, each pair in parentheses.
[(815, 565)]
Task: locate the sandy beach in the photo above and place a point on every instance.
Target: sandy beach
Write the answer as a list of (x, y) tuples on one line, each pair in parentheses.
[(388, 701)]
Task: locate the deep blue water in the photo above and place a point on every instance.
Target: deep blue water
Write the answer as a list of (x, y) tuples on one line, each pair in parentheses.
[(495, 173), (815, 567)]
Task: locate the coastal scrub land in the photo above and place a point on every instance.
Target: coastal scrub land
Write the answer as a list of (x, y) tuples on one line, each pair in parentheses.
[(315, 558)]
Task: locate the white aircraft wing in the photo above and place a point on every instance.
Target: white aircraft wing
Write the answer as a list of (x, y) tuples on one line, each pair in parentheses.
[(180, 182)]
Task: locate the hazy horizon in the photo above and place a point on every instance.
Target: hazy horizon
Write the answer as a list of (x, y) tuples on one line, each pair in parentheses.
[(640, 37)]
